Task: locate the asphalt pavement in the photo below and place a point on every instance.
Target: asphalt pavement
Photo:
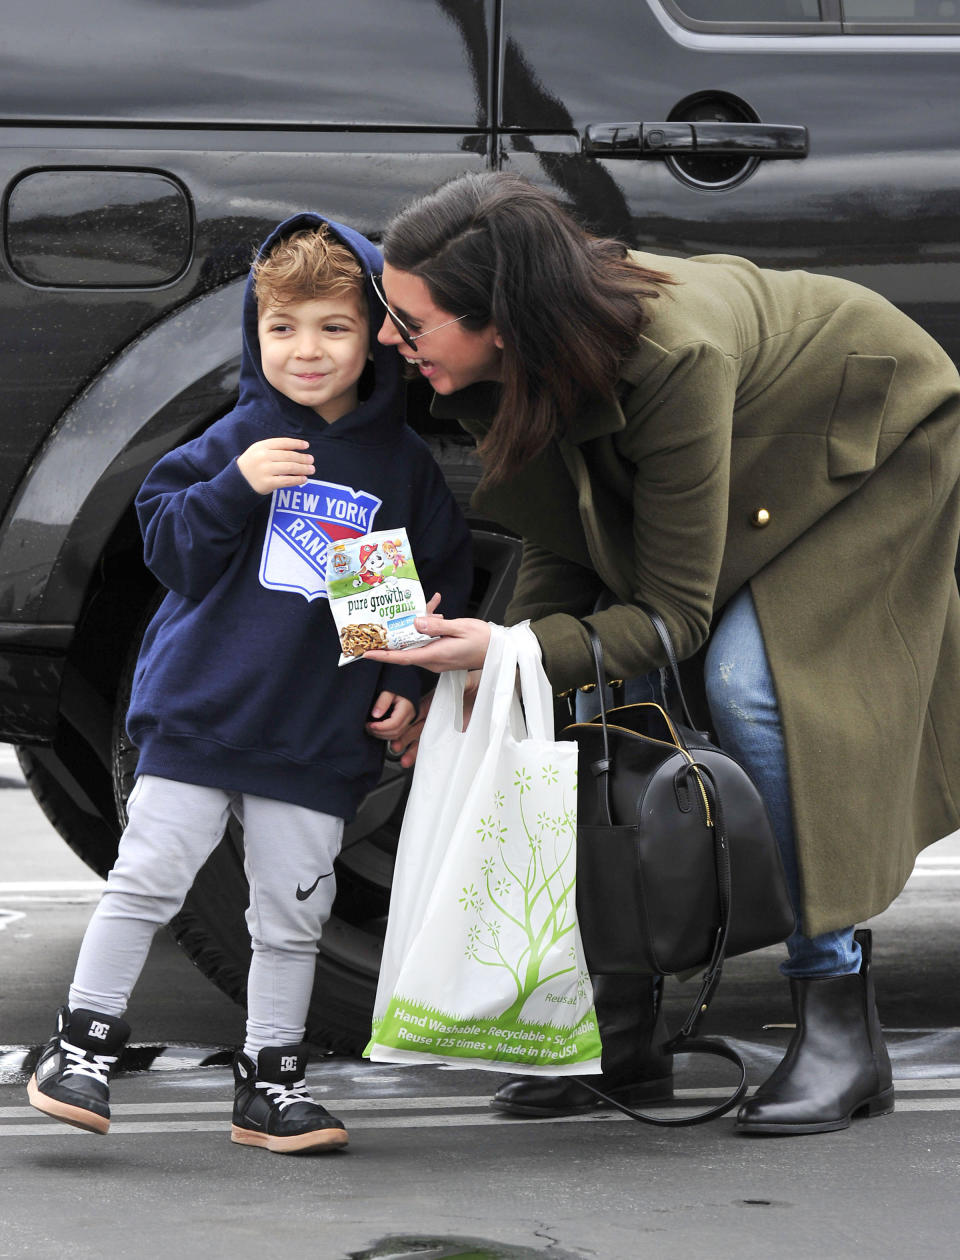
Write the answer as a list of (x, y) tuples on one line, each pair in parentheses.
[(430, 1171)]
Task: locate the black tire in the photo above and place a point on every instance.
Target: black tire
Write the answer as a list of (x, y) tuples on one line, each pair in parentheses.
[(83, 829), (211, 928)]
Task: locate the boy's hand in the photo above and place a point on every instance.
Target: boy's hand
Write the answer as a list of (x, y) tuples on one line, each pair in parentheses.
[(275, 463), (407, 744), (391, 714)]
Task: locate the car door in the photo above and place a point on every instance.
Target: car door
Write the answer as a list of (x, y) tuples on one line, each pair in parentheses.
[(797, 133)]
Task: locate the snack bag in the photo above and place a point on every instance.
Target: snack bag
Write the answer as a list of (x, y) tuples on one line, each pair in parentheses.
[(374, 593)]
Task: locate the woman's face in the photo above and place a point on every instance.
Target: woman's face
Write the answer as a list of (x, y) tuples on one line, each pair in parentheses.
[(450, 357)]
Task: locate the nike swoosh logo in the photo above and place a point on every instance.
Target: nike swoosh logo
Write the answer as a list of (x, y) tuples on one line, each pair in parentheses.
[(304, 893)]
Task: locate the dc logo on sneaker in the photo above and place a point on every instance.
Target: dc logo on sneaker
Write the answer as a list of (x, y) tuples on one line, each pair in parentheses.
[(288, 1063), (99, 1030)]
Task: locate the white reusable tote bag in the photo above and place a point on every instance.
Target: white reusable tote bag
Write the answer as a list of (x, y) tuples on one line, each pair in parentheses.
[(482, 962)]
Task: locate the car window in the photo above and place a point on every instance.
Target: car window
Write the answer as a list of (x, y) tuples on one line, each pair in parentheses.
[(750, 10), (852, 17), (914, 12), (292, 63)]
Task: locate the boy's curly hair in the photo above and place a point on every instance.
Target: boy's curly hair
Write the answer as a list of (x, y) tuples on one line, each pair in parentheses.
[(308, 264)]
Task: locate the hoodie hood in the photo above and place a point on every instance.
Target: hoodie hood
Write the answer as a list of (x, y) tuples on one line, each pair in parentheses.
[(377, 414)]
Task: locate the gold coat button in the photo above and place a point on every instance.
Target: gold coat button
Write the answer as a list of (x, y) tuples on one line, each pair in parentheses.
[(760, 518)]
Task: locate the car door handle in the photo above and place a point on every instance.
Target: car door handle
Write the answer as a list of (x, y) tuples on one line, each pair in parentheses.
[(708, 139)]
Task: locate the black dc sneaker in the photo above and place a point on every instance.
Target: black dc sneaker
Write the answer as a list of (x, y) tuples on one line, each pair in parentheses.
[(273, 1108), (72, 1079)]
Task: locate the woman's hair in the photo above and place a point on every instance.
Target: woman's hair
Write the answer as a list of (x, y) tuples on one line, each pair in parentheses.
[(305, 265), (568, 306)]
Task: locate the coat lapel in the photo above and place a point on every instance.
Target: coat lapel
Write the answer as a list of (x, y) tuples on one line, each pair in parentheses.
[(600, 418)]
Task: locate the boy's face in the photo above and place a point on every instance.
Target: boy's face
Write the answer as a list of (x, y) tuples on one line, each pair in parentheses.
[(314, 351)]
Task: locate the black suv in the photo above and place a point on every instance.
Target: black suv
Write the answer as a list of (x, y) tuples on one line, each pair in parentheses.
[(147, 145)]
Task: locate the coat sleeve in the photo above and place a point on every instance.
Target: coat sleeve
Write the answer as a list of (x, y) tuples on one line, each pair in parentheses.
[(547, 583), (677, 440), (192, 520)]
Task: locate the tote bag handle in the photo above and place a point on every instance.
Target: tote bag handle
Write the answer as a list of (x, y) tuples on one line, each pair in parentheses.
[(535, 691)]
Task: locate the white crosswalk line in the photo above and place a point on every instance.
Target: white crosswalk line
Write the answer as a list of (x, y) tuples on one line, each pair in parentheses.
[(332, 1104), (453, 1103), (51, 892), (421, 1113), (49, 886), (129, 1128)]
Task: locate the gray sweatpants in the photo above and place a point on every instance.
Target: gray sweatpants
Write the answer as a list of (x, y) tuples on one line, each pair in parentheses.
[(173, 828)]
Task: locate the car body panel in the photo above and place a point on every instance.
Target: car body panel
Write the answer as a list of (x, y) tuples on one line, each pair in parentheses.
[(251, 111), (875, 199), (148, 146)]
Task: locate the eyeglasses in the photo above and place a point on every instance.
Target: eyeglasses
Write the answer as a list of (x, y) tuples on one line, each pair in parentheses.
[(398, 323)]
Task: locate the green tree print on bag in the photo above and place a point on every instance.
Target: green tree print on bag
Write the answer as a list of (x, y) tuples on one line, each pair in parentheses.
[(546, 888)]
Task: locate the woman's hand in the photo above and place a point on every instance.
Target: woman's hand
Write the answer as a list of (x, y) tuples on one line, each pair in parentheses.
[(458, 644)]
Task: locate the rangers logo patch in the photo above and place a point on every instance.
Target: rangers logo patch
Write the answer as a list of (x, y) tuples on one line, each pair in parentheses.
[(304, 521)]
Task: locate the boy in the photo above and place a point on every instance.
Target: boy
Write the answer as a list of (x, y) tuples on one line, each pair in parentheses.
[(238, 703)]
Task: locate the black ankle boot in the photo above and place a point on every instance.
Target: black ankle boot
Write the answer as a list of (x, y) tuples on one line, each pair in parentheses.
[(635, 1069), (836, 1065), (72, 1080)]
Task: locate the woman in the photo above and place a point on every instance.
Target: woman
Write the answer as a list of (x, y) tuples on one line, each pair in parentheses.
[(772, 461)]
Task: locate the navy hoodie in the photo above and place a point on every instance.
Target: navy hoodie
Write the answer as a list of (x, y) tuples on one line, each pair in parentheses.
[(237, 685)]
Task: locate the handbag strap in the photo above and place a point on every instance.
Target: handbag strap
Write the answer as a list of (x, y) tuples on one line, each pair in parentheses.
[(721, 857), (685, 1041), (601, 769), (694, 1045)]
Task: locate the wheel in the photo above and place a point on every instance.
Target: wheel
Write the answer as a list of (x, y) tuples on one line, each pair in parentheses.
[(211, 928)]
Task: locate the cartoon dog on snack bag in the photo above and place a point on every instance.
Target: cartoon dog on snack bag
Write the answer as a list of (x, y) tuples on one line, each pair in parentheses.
[(370, 572)]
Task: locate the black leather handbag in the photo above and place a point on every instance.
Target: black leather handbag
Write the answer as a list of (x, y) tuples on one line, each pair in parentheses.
[(677, 863)]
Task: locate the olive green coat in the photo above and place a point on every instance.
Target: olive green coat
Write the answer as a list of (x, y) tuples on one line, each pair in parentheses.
[(813, 405)]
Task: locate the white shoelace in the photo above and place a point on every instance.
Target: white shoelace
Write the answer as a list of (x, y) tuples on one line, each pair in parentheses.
[(283, 1096), (81, 1063)]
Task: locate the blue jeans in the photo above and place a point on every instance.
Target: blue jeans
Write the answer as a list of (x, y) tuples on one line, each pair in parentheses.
[(746, 719)]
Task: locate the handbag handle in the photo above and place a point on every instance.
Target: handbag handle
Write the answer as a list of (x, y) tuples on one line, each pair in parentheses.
[(608, 600), (685, 1040), (602, 767), (663, 634)]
